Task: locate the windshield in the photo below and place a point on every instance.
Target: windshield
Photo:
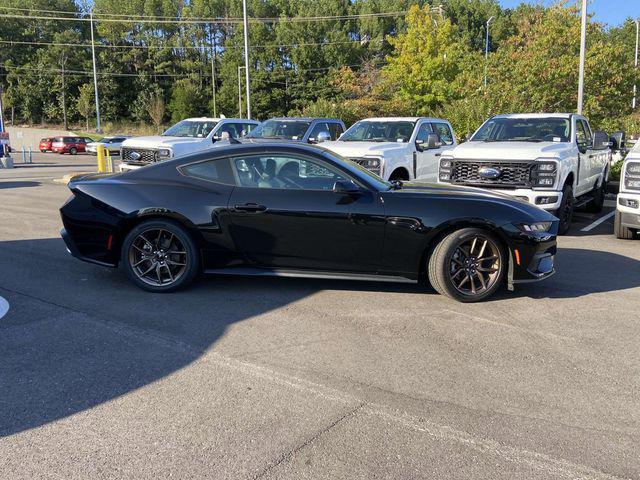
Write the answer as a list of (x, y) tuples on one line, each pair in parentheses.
[(368, 131), (282, 129), (524, 130), (191, 128)]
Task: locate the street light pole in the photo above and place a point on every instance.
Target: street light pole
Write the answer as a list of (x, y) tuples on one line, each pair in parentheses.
[(583, 46), (635, 66), (95, 75), (239, 93), (486, 51), (246, 56)]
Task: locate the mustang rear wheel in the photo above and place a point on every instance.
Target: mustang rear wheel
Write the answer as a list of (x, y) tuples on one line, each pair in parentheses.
[(160, 256), (468, 265)]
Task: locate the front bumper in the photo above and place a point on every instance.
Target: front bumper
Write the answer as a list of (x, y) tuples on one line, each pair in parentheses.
[(629, 216), (532, 254), (126, 167), (535, 197)]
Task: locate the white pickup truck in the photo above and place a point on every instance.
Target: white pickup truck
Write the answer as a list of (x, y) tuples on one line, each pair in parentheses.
[(187, 136), (627, 220), (397, 148), (554, 161)]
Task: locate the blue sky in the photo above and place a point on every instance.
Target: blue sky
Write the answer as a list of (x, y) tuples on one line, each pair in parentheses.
[(613, 12)]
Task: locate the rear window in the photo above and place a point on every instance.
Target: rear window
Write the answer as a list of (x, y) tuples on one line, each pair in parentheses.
[(58, 139), (218, 171)]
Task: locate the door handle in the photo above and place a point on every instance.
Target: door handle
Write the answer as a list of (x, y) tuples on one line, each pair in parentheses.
[(438, 154), (591, 156), (251, 207)]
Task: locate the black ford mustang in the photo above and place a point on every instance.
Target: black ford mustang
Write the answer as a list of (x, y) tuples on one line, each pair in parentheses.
[(300, 210)]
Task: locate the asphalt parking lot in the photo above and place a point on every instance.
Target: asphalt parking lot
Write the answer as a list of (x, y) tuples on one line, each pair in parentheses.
[(252, 378)]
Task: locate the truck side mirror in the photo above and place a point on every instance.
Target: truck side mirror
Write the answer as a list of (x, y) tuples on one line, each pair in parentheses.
[(601, 140), (618, 140), (433, 141)]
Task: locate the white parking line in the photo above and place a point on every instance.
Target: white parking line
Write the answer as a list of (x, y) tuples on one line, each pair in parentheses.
[(598, 221), (4, 307)]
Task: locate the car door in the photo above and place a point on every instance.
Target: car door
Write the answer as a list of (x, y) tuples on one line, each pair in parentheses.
[(426, 160), (285, 214), (586, 156)]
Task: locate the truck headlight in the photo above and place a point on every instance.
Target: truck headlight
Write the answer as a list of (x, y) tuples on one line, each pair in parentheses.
[(632, 176), (544, 174), (374, 164), (446, 165), (164, 153)]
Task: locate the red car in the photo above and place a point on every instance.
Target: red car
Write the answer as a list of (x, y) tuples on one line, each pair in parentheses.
[(45, 145), (71, 145)]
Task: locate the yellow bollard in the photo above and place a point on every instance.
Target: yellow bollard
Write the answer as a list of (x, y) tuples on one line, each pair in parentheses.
[(102, 164), (109, 162)]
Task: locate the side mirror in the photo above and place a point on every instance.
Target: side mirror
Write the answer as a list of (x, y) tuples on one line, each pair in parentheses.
[(323, 137), (420, 145), (433, 141), (601, 140), (618, 140), (345, 187)]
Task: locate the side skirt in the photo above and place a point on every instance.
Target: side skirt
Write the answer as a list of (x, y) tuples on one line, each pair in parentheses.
[(278, 272)]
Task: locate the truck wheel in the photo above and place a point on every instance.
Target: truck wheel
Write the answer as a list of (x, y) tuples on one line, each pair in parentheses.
[(467, 265), (625, 233), (597, 204), (565, 212)]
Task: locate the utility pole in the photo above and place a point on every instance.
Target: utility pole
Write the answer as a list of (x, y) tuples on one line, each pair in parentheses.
[(95, 75), (213, 76), (583, 46), (63, 62), (486, 51), (246, 56), (635, 66), (239, 93)]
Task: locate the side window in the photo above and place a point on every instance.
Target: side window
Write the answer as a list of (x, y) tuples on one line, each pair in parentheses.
[(587, 132), (443, 130), (233, 129), (218, 171), (318, 129), (246, 128), (581, 136), (335, 129), (423, 132), (285, 172)]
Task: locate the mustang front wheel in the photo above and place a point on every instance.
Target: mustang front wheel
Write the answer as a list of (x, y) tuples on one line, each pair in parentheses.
[(468, 265), (160, 256)]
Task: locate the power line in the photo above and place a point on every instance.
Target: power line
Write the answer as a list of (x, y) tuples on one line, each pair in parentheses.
[(220, 20)]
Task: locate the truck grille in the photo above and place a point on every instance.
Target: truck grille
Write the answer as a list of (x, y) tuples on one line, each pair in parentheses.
[(512, 174), (147, 155)]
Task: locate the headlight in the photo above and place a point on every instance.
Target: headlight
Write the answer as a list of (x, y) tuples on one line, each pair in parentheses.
[(372, 163), (164, 153), (446, 164), (534, 227), (544, 174), (632, 176)]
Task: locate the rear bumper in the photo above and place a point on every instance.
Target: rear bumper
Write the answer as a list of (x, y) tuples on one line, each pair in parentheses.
[(72, 248)]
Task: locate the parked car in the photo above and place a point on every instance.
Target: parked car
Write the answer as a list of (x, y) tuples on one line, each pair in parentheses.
[(627, 216), (187, 136), (45, 144), (298, 129), (71, 145), (397, 148), (555, 161), (111, 144), (299, 210)]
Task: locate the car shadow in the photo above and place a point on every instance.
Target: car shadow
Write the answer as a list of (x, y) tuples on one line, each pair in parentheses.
[(18, 184), (85, 335)]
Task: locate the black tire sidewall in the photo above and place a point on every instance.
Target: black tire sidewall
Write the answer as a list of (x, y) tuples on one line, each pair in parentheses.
[(567, 196), (439, 270), (193, 254)]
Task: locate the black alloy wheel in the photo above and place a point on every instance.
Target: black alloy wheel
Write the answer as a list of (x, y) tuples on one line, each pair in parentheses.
[(160, 256), (565, 212), (468, 265)]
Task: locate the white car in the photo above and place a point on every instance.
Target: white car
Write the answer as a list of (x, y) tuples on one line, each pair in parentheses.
[(397, 148), (112, 144), (187, 136), (554, 161), (627, 219)]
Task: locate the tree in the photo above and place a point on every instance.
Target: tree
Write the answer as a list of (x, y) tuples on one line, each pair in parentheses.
[(85, 102), (156, 107)]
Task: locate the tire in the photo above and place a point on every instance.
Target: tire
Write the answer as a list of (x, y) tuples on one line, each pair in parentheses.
[(622, 232), (565, 212), (73, 150), (448, 261), (43, 150), (160, 256), (599, 194)]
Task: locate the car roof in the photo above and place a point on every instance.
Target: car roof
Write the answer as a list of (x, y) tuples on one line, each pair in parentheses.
[(212, 119), (305, 119), (534, 115), (403, 119)]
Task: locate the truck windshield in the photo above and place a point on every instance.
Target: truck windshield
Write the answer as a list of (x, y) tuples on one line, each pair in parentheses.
[(281, 129), (376, 131), (550, 129), (191, 128)]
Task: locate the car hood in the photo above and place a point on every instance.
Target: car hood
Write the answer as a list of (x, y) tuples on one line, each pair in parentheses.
[(361, 149), (420, 189), (156, 141), (509, 150)]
